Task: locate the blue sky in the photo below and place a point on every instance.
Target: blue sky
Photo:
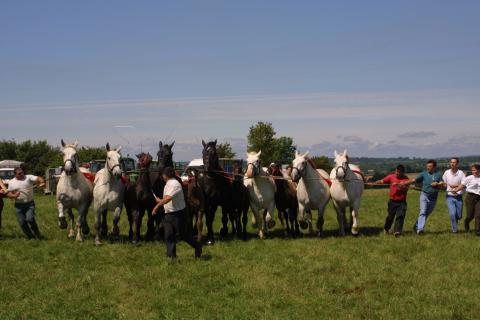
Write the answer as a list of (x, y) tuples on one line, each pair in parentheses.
[(380, 78)]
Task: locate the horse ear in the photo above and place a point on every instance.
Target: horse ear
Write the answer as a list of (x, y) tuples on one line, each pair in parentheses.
[(119, 148), (306, 154), (335, 153), (215, 142), (259, 153), (203, 143), (75, 144), (63, 143), (296, 153), (160, 144), (345, 152), (171, 146), (108, 146)]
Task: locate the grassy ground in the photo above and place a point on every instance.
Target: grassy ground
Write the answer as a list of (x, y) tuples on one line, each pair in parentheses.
[(370, 277)]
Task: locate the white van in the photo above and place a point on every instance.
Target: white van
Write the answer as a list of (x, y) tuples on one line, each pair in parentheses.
[(194, 164)]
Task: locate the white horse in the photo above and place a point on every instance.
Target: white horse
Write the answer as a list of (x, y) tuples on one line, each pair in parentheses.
[(262, 194), (108, 194), (347, 189), (74, 191), (313, 191)]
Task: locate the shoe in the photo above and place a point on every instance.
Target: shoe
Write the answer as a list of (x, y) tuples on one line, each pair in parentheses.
[(397, 234), (198, 251), (420, 232), (466, 225)]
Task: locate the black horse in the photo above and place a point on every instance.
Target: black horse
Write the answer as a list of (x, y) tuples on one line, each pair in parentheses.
[(217, 190), (286, 201), (240, 201), (139, 198)]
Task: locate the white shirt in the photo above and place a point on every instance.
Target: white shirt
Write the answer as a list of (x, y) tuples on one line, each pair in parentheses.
[(174, 189), (472, 184), (453, 179), (25, 187)]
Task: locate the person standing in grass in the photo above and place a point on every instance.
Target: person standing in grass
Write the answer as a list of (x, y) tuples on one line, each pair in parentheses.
[(174, 222), (21, 189), (397, 203), (431, 181), (452, 178), (471, 185), (3, 193)]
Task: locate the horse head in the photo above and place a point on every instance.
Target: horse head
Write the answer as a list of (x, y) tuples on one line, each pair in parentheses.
[(341, 164), (238, 170), (299, 166), (253, 164), (144, 160), (112, 163), (277, 169), (210, 156), (69, 152), (165, 154)]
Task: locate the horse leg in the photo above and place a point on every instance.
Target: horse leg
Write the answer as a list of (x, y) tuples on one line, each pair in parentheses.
[(62, 222), (282, 218), (244, 223), (232, 216), (81, 222), (355, 210), (71, 231), (98, 227), (210, 215), (199, 224), (340, 218), (104, 223), (258, 219), (224, 229), (301, 216), (321, 219), (116, 219), (137, 216)]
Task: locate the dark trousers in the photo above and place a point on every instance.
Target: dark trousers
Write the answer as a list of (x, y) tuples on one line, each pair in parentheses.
[(472, 202), (26, 219), (396, 211), (1, 209), (173, 223)]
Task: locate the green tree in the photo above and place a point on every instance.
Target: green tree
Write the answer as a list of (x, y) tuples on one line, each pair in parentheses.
[(224, 150), (262, 137), (322, 162)]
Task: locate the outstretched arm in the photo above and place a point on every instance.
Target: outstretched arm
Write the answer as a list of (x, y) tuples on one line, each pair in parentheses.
[(160, 202)]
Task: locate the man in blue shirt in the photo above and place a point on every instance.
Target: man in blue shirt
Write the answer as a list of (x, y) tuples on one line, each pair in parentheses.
[(431, 181)]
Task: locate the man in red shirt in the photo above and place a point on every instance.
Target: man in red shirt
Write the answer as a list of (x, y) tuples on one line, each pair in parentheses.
[(397, 205)]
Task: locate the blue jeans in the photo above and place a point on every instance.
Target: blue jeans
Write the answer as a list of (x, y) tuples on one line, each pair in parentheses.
[(26, 219), (455, 206), (427, 204)]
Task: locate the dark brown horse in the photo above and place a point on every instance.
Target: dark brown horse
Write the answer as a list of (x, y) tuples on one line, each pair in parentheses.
[(140, 198), (195, 202), (286, 201), (240, 201), (216, 188)]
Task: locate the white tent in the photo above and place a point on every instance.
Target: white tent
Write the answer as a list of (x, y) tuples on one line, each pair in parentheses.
[(10, 163)]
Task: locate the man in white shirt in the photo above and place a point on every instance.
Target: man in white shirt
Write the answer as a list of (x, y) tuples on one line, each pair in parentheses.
[(471, 184), (21, 189), (173, 203), (452, 178)]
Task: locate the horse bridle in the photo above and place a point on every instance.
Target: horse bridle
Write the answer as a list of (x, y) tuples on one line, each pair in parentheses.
[(111, 169), (255, 169), (301, 172), (345, 167), (74, 165)]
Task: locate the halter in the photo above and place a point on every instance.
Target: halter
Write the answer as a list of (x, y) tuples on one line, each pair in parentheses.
[(255, 169), (301, 172), (345, 167), (74, 166), (111, 169)]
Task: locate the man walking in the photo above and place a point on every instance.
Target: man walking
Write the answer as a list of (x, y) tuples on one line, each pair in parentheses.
[(173, 202), (453, 178), (431, 181), (21, 189), (397, 203)]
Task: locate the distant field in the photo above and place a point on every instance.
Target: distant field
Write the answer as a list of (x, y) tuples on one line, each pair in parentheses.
[(370, 277)]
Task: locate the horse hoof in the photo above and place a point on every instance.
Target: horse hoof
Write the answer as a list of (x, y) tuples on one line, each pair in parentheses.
[(86, 230), (303, 224), (98, 242), (320, 234), (262, 235), (79, 238), (355, 233), (210, 242), (62, 223), (71, 233), (271, 224)]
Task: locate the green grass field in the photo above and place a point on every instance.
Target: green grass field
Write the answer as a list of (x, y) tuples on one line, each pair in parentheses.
[(436, 276)]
